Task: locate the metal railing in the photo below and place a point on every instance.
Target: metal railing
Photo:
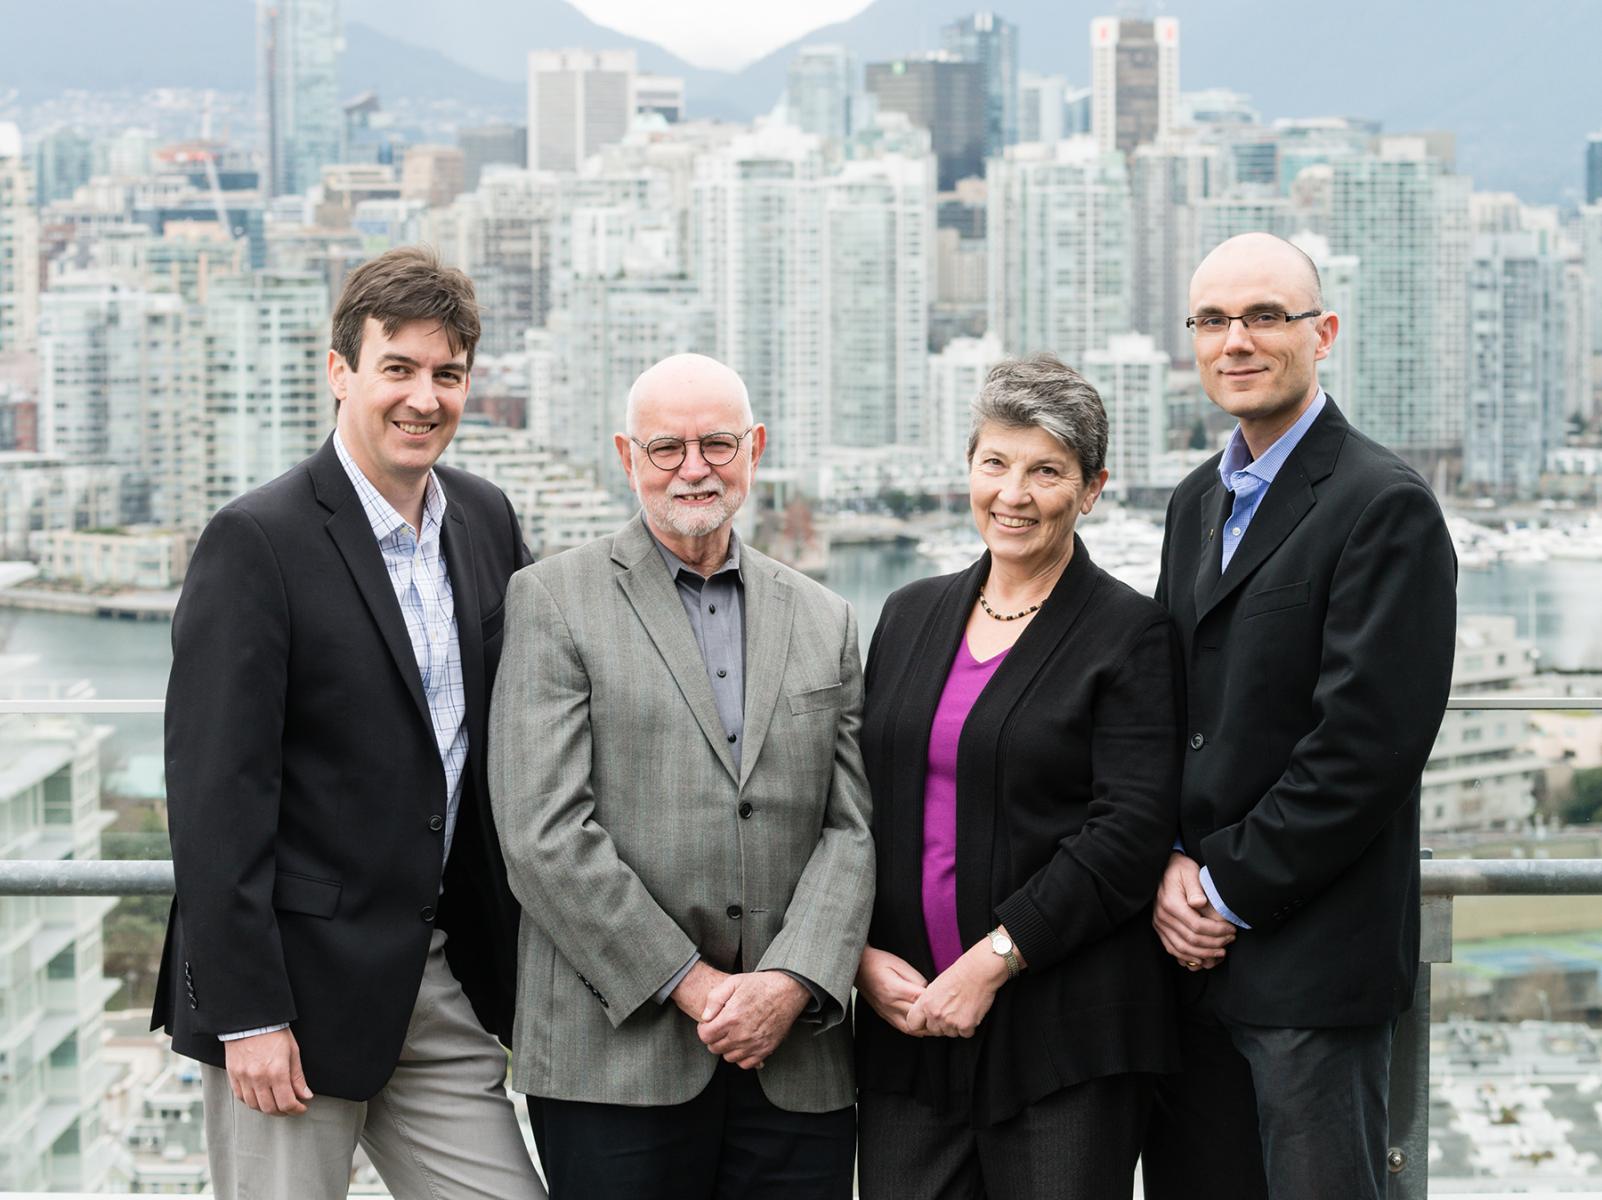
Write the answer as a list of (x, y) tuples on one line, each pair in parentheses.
[(1441, 882)]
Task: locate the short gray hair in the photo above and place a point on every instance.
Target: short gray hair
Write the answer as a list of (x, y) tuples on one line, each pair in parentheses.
[(1041, 392)]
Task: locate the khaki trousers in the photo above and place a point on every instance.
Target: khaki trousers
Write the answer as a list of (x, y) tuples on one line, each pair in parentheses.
[(441, 1128)]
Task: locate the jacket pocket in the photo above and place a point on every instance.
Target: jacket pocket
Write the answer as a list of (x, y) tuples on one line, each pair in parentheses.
[(491, 625), (303, 894), (1291, 595), (823, 697)]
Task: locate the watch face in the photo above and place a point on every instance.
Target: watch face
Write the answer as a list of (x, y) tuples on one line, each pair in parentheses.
[(1000, 943)]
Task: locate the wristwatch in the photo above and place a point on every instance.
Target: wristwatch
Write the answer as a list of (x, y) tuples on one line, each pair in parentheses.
[(1002, 945)]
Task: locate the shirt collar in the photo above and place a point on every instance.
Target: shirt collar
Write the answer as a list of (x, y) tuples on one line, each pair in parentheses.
[(381, 514), (1238, 456), (675, 564)]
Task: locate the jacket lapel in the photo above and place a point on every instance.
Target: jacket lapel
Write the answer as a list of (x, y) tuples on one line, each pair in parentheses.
[(915, 694), (1289, 498), (1214, 510), (769, 612), (980, 743), (353, 535), (457, 536), (654, 597)]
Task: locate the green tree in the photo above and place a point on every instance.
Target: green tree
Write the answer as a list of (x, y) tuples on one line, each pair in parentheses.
[(1584, 805)]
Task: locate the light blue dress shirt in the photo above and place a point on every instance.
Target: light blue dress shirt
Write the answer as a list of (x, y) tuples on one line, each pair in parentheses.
[(1249, 479)]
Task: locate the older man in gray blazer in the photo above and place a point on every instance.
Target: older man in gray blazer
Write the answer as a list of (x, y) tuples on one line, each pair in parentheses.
[(681, 801)]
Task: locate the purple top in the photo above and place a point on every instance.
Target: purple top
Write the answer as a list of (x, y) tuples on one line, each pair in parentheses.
[(967, 679)]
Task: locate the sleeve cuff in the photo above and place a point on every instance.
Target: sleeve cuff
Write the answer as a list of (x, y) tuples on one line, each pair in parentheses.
[(1217, 901), (665, 992), (234, 1037), (813, 1012)]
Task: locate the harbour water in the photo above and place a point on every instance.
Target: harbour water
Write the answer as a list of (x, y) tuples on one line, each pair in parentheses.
[(1557, 603)]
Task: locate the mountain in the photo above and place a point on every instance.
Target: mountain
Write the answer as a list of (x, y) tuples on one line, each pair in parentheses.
[(493, 38), (1518, 84), (377, 62)]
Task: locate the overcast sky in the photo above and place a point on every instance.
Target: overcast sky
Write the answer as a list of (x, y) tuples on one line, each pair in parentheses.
[(718, 33)]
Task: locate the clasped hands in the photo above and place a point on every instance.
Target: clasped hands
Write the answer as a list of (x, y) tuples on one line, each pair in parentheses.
[(741, 1017), (1189, 927), (950, 1006)]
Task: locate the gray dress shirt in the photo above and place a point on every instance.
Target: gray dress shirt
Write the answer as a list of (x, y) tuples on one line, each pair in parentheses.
[(715, 605)]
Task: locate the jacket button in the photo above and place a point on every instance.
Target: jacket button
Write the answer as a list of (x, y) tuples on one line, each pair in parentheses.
[(1197, 741), (428, 912), (436, 822), (746, 808), (734, 911)]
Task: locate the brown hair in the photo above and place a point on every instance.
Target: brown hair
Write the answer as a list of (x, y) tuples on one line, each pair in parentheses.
[(406, 284)]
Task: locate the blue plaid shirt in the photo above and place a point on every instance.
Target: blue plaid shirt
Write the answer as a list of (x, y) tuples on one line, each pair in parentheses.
[(417, 572)]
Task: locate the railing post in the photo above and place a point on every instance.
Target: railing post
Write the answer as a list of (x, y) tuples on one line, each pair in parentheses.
[(1408, 1152)]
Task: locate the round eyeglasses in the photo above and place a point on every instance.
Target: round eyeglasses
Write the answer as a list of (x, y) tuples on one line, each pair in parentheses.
[(717, 449)]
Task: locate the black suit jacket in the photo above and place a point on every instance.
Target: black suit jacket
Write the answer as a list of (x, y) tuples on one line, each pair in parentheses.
[(306, 795), (1317, 668), (1067, 771)]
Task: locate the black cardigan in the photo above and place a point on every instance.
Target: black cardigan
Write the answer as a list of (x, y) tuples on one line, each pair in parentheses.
[(1067, 786)]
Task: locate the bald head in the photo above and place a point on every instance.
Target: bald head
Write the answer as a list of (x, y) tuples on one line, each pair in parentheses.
[(1262, 257), (681, 377)]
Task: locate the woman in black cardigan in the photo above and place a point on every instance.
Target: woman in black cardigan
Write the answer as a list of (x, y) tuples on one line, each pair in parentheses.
[(1022, 739)]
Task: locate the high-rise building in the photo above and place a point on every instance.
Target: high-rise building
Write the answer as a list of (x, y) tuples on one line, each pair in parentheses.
[(1060, 253), (63, 161), (758, 246), (1338, 276), (986, 39), (661, 95), (1593, 169), (1042, 107), (822, 85), (53, 990), (956, 375), (264, 388), (1222, 216), (498, 235), (44, 492), (1517, 333), (118, 385), (1134, 80), (434, 175), (607, 333), (487, 145), (947, 97), (878, 229), (578, 101), (297, 79), (19, 247), (1481, 774), (1591, 265), (1405, 219), (1171, 179), (1131, 374)]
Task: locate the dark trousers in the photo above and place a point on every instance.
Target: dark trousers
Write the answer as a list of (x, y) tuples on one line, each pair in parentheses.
[(730, 1142), (1270, 1114), (1077, 1144)]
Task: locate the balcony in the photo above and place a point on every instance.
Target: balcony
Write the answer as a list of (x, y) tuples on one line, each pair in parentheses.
[(1498, 1094)]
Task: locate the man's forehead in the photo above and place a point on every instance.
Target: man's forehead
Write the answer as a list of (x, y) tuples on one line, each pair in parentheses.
[(1236, 277), (678, 411)]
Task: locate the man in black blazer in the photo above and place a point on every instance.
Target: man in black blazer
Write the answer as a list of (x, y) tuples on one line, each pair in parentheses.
[(341, 951), (1313, 582)]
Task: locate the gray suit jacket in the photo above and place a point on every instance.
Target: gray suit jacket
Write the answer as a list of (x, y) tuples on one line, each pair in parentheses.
[(618, 806)]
